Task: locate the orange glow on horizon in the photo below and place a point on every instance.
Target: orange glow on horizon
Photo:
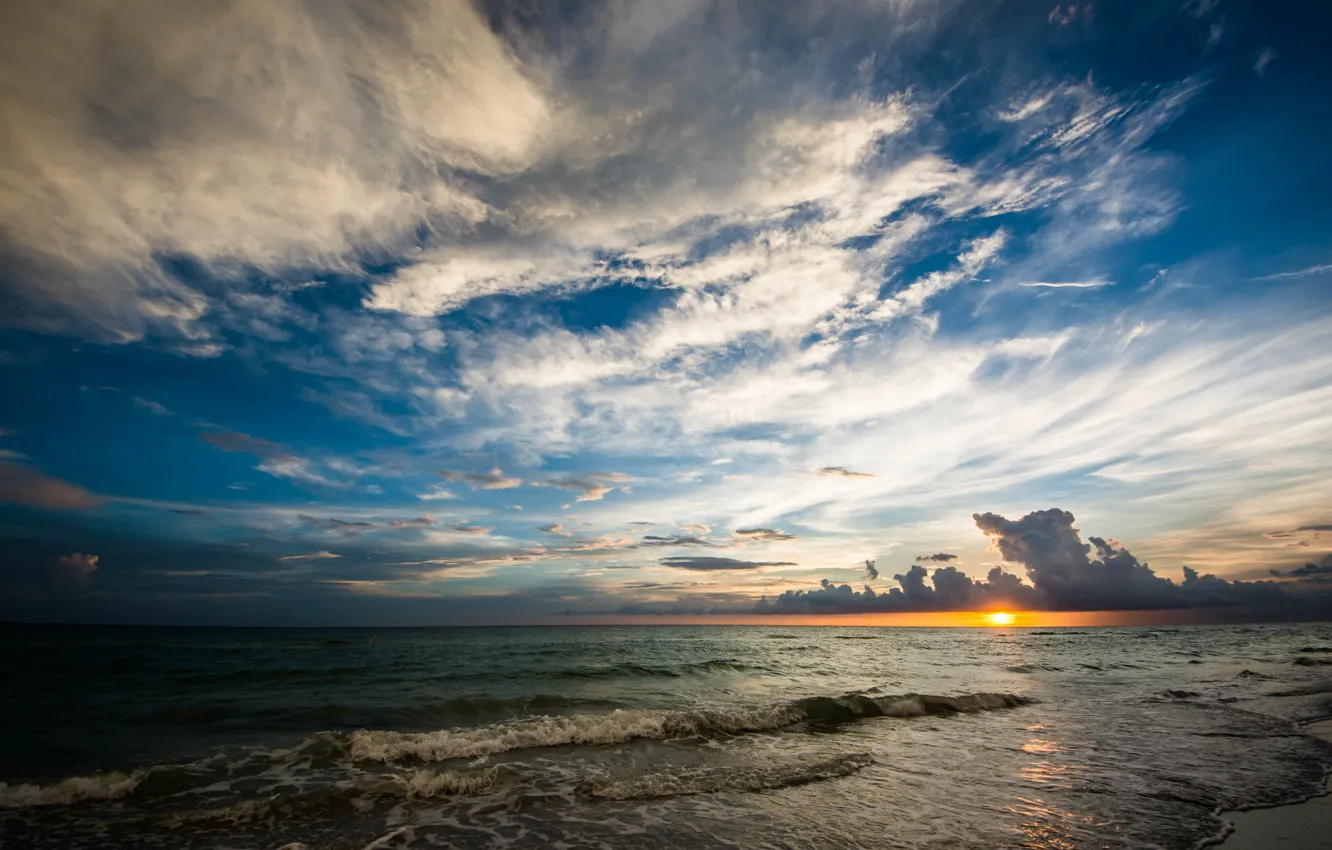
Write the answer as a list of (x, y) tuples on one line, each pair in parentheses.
[(937, 619)]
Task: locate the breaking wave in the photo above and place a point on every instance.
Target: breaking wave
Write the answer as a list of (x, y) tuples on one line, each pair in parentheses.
[(104, 786), (628, 725)]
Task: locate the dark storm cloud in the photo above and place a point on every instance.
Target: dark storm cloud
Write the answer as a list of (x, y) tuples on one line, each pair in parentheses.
[(1063, 576), (24, 485), (764, 534), (1322, 568), (1059, 565), (937, 557), (492, 480), (704, 564)]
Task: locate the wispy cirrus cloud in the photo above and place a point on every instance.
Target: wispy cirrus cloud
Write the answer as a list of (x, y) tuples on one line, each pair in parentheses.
[(841, 472), (1304, 272)]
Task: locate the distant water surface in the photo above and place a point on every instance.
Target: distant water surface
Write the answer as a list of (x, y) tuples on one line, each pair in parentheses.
[(653, 737)]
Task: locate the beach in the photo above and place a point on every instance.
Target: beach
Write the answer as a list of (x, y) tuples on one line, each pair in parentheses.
[(1300, 826)]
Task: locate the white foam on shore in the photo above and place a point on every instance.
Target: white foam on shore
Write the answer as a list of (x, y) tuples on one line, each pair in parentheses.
[(717, 780), (422, 784)]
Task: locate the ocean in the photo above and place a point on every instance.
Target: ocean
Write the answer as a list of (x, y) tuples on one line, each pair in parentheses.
[(653, 736)]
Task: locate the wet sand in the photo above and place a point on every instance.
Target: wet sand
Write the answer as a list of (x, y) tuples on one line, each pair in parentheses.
[(1301, 826)]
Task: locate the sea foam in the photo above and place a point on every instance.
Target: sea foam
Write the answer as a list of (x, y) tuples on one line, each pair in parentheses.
[(627, 725)]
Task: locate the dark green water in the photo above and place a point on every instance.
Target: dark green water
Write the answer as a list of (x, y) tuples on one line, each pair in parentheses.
[(653, 736)]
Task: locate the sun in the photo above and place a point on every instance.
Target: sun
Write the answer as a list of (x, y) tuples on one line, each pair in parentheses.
[(1000, 618)]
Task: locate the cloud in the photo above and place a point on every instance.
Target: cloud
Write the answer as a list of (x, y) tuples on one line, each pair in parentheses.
[(321, 555), (937, 557), (591, 486), (151, 406), (22, 484), (276, 459), (1063, 578), (871, 571), (235, 441), (419, 522), (435, 493), (75, 569), (1071, 284), (189, 511), (698, 564), (321, 133), (349, 528), (492, 480), (1265, 57), (553, 528), (675, 540), (1305, 571), (1063, 15), (471, 529), (841, 472), (1305, 272), (764, 534), (1059, 566)]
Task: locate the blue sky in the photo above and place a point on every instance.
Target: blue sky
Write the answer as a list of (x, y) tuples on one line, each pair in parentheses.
[(442, 313)]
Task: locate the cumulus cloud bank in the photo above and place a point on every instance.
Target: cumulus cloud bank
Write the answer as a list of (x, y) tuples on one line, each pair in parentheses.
[(1062, 573)]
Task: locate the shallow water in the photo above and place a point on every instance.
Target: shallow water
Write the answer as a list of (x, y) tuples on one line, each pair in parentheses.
[(654, 736)]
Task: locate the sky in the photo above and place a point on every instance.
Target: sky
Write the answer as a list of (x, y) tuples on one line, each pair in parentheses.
[(427, 312)]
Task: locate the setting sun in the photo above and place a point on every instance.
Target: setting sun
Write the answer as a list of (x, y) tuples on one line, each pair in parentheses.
[(1000, 618)]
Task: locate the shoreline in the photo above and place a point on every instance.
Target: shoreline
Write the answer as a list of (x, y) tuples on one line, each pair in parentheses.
[(1306, 825)]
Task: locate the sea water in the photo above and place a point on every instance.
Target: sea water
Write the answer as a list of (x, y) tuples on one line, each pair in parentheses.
[(653, 736)]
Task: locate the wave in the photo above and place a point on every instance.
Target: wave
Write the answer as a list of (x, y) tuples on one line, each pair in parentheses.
[(722, 779), (1306, 661), (102, 786), (422, 784), (1032, 668), (627, 725)]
